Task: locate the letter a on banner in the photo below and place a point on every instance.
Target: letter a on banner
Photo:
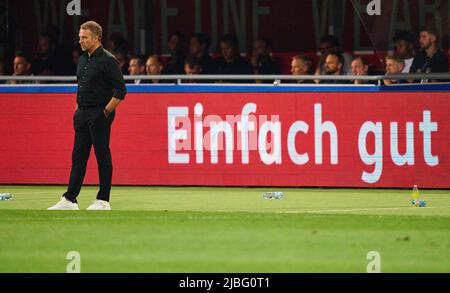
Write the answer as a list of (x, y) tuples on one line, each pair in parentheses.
[(374, 8), (74, 7)]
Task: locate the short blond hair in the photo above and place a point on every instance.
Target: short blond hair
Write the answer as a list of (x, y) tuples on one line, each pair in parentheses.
[(93, 27), (156, 58), (305, 60), (395, 59)]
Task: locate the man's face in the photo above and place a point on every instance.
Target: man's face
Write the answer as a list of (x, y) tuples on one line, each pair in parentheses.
[(298, 67), (332, 64), (259, 49), (426, 40), (87, 40), (393, 67), (135, 69), (75, 56), (192, 70), (326, 48), (121, 58), (153, 67), (358, 67), (21, 67), (174, 43), (227, 51), (195, 48), (44, 45), (403, 49)]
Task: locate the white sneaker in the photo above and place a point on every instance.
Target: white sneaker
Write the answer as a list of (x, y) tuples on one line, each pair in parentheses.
[(98, 205), (64, 204)]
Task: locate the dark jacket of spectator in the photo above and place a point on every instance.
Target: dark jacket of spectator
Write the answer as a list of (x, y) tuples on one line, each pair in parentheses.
[(175, 65), (267, 66), (424, 64), (208, 65), (237, 66)]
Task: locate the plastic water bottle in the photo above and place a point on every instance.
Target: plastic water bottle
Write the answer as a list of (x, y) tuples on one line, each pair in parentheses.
[(422, 203), (415, 196), (273, 195), (6, 196)]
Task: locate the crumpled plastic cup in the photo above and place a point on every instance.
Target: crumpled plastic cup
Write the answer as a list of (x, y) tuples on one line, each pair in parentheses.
[(273, 195), (6, 196), (422, 203)]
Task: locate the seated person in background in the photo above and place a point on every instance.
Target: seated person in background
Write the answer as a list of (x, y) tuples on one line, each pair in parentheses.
[(261, 60), (302, 65), (117, 43), (404, 48), (154, 66), (2, 70), (49, 57), (331, 45), (231, 61), (360, 67), (394, 65), (137, 67), (430, 59), (192, 66), (175, 63), (22, 67), (76, 54), (122, 57), (118, 46), (334, 65), (199, 48)]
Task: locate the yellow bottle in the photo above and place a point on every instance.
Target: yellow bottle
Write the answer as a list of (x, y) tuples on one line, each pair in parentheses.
[(415, 196)]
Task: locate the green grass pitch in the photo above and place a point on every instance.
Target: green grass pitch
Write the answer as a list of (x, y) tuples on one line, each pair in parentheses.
[(190, 229)]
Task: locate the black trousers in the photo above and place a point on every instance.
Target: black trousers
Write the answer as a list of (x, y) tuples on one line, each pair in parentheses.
[(92, 128)]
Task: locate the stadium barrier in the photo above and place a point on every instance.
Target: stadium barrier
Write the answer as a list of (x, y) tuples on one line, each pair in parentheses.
[(420, 78), (239, 135)]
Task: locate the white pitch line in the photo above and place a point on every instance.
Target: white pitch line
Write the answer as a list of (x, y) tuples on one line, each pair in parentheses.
[(359, 210), (30, 192)]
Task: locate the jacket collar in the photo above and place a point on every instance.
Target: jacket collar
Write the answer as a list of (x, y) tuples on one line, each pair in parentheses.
[(97, 52)]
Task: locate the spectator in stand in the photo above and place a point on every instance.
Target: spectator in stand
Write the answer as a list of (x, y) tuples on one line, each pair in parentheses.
[(261, 59), (360, 67), (394, 65), (199, 48), (334, 65), (117, 43), (21, 67), (121, 56), (404, 48), (192, 66), (154, 66), (175, 63), (118, 46), (76, 54), (231, 61), (137, 67), (49, 58), (430, 59), (44, 62), (2, 70), (302, 65), (330, 45)]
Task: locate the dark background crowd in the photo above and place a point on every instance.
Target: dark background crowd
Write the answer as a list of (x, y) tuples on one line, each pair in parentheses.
[(412, 53)]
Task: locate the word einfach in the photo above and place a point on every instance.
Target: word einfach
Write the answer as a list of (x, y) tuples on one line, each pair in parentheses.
[(254, 132)]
